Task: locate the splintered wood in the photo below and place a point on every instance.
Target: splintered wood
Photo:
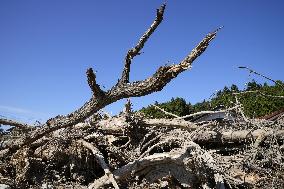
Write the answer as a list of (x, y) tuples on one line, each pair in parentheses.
[(90, 149)]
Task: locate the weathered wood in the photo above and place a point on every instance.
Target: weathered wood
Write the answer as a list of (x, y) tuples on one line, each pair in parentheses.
[(14, 123), (171, 123), (100, 159), (139, 46), (179, 157), (240, 136), (122, 90)]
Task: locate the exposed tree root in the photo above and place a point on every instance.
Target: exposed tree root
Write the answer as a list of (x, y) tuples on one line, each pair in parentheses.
[(86, 150)]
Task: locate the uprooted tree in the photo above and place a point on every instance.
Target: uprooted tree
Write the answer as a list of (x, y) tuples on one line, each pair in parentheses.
[(90, 149)]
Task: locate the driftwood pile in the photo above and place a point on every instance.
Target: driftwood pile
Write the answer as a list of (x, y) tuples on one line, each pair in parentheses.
[(129, 151), (90, 149)]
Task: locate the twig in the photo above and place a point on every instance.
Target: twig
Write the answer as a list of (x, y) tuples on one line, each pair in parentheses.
[(128, 107), (97, 91), (164, 111), (252, 71), (167, 141), (100, 159), (207, 112), (258, 93), (240, 109), (106, 113), (200, 128), (150, 142), (171, 123)]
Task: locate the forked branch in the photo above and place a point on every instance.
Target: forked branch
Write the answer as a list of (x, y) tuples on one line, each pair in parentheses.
[(136, 50), (123, 89)]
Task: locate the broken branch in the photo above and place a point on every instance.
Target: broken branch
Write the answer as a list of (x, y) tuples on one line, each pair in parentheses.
[(9, 122), (165, 112), (97, 92), (136, 50), (100, 159)]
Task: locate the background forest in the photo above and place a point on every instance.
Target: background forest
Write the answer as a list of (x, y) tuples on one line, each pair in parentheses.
[(257, 99)]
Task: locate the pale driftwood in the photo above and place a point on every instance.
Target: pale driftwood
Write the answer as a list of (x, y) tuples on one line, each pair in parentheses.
[(6, 181), (113, 125), (220, 184), (100, 159), (256, 144), (241, 136), (14, 123), (169, 148), (240, 109), (146, 145), (123, 89), (171, 123), (179, 157), (208, 112), (167, 141), (3, 153), (116, 125), (126, 171), (194, 114), (165, 112)]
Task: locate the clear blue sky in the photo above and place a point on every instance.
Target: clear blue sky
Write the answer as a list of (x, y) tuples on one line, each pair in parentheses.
[(46, 47)]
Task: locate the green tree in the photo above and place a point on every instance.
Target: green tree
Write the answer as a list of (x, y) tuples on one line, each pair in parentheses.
[(255, 104), (253, 85), (234, 88), (177, 106)]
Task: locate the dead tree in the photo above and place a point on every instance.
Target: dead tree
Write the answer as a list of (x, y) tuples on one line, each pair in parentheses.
[(123, 89), (130, 151)]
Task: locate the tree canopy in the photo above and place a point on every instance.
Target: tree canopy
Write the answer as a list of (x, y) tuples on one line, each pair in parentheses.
[(257, 100)]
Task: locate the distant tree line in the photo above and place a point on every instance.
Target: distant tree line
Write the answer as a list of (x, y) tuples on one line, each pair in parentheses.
[(256, 99)]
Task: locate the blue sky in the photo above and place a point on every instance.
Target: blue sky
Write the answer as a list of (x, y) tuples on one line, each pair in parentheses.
[(46, 47)]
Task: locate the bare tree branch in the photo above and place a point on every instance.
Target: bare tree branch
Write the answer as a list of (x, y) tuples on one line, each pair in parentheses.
[(258, 93), (241, 109), (207, 112), (174, 123), (136, 50), (100, 159), (165, 112), (256, 73), (97, 92), (124, 90), (241, 136), (9, 122)]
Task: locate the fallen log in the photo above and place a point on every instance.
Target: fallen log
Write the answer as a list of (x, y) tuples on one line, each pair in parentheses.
[(240, 136), (14, 123)]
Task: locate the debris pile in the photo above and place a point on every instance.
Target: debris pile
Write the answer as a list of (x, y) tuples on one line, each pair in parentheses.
[(129, 151), (90, 149)]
